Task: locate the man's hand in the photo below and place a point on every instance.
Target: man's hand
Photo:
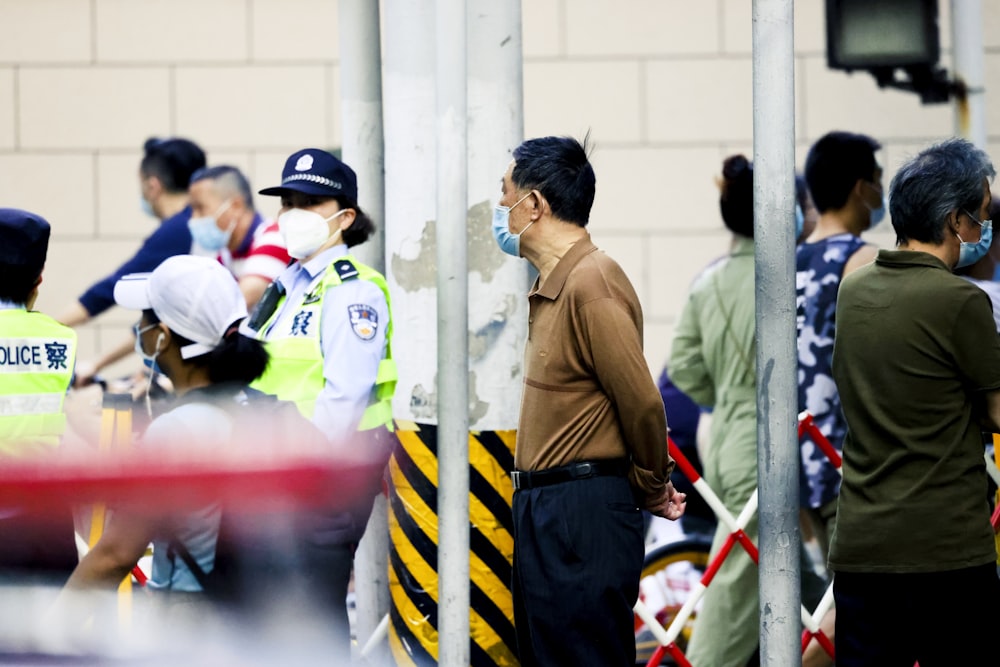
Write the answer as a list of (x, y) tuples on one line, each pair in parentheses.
[(670, 505)]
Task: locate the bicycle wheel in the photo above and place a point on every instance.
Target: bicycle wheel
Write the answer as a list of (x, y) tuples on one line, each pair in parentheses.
[(669, 574)]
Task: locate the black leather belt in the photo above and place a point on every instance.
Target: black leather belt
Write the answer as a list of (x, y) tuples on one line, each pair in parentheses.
[(568, 473)]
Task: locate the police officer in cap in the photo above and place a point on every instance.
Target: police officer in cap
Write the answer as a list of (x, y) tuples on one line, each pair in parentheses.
[(36, 367), (327, 324)]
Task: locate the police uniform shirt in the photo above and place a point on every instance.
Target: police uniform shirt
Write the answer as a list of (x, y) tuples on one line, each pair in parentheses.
[(351, 355)]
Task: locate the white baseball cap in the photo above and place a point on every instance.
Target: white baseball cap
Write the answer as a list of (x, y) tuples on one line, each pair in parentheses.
[(194, 296)]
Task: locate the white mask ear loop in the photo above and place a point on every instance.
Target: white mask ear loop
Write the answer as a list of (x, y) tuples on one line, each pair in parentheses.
[(152, 373)]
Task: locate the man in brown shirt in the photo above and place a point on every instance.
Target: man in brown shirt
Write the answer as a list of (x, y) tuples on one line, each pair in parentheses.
[(591, 444)]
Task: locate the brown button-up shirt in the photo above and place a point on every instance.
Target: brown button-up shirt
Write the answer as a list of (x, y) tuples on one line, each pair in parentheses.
[(588, 393)]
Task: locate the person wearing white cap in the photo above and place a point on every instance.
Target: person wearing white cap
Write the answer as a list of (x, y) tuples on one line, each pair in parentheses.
[(328, 328), (191, 308)]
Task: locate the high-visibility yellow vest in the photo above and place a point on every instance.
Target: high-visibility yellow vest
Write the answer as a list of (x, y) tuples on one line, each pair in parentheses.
[(37, 355), (295, 372)]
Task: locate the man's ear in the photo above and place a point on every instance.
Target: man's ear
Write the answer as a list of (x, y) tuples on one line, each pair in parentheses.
[(539, 204), (953, 220)]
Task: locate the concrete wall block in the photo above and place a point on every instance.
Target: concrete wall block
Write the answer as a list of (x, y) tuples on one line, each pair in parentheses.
[(295, 30), (574, 97), (678, 259), (118, 212), (837, 100), (656, 345), (543, 32), (30, 180), (91, 107), (251, 106), (736, 26), (641, 27), (654, 189), (74, 265), (7, 109), (37, 31), (703, 100), (162, 31)]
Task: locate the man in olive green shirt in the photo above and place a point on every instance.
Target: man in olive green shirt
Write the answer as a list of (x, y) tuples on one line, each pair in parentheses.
[(917, 361)]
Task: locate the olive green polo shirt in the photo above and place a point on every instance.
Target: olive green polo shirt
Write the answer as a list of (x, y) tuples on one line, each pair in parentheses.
[(588, 393), (915, 350)]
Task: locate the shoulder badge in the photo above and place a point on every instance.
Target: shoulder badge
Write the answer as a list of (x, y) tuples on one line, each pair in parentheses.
[(364, 320)]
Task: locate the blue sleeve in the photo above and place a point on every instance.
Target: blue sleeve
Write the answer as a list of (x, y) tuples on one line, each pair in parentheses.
[(171, 238), (351, 355)]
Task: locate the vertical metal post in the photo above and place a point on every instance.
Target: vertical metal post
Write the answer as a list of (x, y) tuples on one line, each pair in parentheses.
[(453, 334), (361, 116), (777, 447), (363, 149), (967, 40)]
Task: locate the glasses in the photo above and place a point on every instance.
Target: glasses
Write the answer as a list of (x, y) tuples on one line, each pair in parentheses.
[(976, 220)]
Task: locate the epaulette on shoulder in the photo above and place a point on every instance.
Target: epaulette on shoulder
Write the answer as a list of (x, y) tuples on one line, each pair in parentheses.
[(345, 269)]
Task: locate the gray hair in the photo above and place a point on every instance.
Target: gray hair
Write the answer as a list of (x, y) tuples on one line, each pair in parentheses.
[(942, 178)]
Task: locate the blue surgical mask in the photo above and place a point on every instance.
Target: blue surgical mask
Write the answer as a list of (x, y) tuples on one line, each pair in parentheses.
[(148, 359), (970, 253), (509, 243), (876, 215), (146, 207), (206, 233), (800, 221)]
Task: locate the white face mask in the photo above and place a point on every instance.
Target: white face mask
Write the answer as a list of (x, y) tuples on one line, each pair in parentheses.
[(305, 231)]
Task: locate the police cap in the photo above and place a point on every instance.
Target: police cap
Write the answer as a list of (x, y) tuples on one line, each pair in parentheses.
[(316, 172), (24, 238)]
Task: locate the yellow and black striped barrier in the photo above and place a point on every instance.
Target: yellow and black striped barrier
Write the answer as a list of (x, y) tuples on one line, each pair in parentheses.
[(413, 522)]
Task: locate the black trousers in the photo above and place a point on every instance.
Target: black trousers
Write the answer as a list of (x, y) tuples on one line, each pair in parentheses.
[(939, 619), (36, 548), (578, 551)]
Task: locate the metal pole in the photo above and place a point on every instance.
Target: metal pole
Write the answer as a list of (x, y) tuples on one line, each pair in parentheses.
[(777, 447), (361, 116), (498, 311), (453, 334), (363, 146), (967, 40)]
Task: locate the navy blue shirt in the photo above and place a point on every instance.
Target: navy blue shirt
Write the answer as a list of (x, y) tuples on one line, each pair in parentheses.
[(171, 238)]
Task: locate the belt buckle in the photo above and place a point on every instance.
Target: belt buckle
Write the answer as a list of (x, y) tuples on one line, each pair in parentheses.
[(515, 478), (582, 470)]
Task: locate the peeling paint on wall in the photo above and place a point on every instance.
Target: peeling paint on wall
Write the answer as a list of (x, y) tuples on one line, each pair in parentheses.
[(423, 403), (420, 271)]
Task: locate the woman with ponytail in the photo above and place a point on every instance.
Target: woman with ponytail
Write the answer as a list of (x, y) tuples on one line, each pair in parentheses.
[(189, 329), (713, 361)]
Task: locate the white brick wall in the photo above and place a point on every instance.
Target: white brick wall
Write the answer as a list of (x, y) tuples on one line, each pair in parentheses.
[(664, 86)]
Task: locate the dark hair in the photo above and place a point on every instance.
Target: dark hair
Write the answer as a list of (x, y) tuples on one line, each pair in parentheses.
[(228, 179), (362, 227), (17, 281), (237, 358), (736, 198), (557, 167), (835, 163), (172, 161), (945, 177)]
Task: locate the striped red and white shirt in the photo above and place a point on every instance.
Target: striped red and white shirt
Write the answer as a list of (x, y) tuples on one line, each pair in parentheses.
[(262, 253)]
